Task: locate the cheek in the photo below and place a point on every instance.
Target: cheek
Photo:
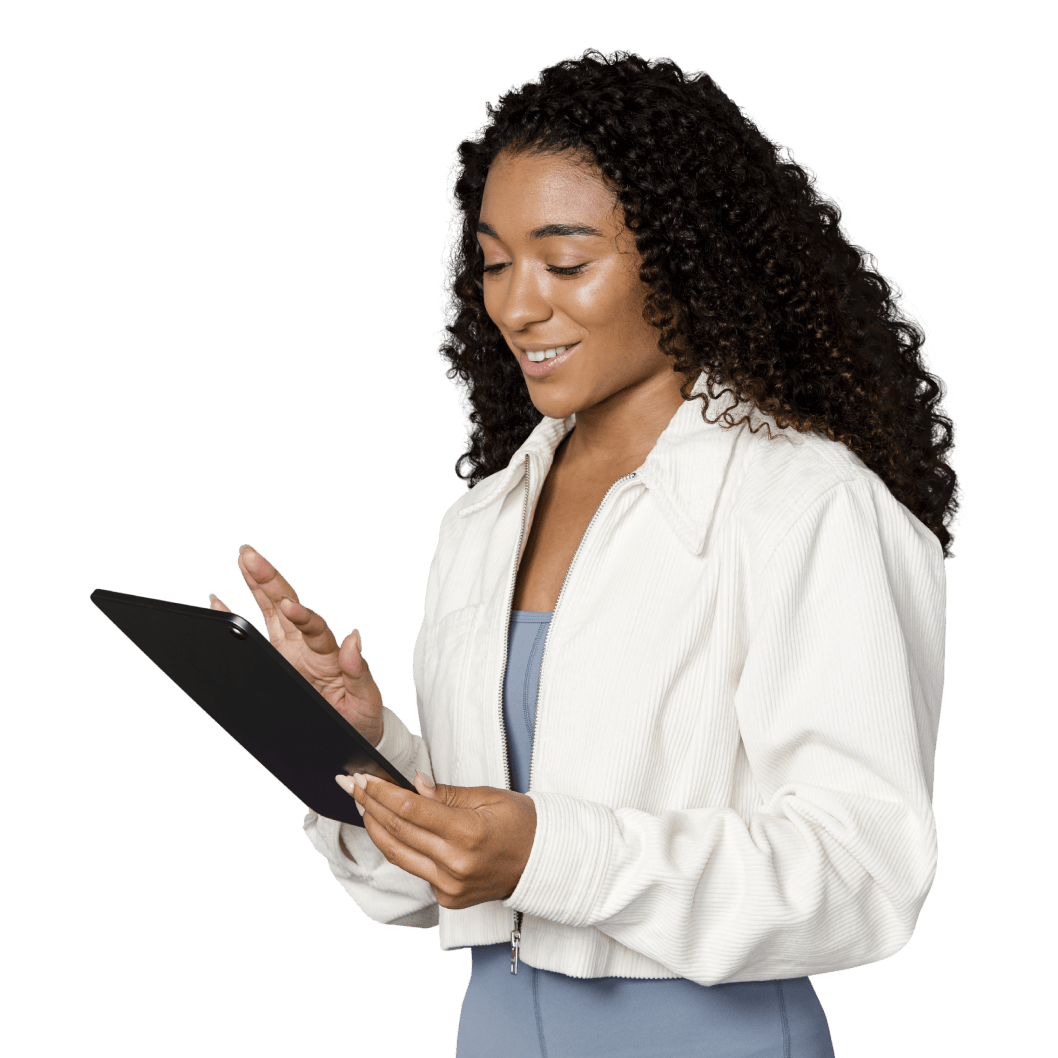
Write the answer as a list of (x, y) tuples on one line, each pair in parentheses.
[(611, 301), (591, 302), (493, 302)]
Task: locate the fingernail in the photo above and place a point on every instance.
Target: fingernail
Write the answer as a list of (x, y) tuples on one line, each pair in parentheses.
[(359, 642), (359, 807), (345, 783), (426, 780), (245, 547), (360, 781), (213, 598)]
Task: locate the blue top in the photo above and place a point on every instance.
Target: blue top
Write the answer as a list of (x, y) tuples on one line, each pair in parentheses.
[(520, 682), (542, 1014)]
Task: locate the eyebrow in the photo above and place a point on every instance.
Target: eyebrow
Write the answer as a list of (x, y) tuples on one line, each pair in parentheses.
[(547, 231)]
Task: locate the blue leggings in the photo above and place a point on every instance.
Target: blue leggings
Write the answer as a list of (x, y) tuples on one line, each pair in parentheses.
[(541, 1014)]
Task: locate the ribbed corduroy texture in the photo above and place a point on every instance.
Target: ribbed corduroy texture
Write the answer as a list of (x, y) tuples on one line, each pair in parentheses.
[(736, 721)]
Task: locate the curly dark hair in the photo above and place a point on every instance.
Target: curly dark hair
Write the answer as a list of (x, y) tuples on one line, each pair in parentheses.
[(748, 276)]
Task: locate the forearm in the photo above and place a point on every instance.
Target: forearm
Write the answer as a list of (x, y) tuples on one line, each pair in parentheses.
[(384, 892)]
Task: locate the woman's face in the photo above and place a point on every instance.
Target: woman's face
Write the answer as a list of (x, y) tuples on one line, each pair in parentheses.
[(562, 270)]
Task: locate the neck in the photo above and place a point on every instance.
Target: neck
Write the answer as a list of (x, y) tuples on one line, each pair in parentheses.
[(620, 431)]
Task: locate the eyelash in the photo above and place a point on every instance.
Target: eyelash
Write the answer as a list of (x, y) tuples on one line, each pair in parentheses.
[(572, 271)]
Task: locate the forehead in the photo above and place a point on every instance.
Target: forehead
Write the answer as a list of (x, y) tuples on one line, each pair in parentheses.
[(525, 191)]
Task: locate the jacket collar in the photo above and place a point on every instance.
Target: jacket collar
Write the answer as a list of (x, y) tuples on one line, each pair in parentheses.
[(683, 471)]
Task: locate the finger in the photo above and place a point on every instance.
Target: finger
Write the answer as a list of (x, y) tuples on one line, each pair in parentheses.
[(425, 785), (425, 824), (394, 808), (268, 586), (401, 855), (355, 672), (466, 797), (389, 836), (285, 617), (313, 628), (216, 604)]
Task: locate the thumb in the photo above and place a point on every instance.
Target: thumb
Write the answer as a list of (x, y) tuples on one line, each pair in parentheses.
[(355, 670), (427, 787), (452, 796)]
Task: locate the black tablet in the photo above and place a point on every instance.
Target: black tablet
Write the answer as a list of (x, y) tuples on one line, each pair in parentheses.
[(256, 695)]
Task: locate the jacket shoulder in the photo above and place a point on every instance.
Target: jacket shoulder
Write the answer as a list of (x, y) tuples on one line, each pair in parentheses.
[(458, 537), (473, 495), (797, 467), (785, 476)]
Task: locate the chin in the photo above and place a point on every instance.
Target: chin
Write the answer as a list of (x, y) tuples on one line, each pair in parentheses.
[(554, 403)]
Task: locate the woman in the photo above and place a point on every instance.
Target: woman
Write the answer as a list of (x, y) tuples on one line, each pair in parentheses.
[(693, 600)]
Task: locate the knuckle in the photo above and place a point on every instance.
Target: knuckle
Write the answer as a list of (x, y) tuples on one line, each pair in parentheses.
[(398, 828), (461, 867), (476, 841), (392, 824), (451, 896)]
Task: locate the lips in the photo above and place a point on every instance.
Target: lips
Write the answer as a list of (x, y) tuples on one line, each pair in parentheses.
[(538, 369)]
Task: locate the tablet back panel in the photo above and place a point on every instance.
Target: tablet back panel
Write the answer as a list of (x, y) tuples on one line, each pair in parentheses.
[(237, 676)]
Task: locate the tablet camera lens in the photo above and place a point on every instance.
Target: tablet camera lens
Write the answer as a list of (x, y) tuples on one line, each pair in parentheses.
[(237, 631)]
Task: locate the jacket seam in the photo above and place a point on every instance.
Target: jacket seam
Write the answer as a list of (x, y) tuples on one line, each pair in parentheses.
[(801, 515)]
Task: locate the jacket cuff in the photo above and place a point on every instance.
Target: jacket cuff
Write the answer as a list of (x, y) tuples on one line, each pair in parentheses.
[(568, 861), (349, 849), (397, 744)]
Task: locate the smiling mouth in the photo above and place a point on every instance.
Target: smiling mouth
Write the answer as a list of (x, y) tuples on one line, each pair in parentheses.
[(548, 354)]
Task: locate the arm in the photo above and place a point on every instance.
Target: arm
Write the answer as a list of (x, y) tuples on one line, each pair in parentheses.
[(343, 677), (838, 704), (384, 892)]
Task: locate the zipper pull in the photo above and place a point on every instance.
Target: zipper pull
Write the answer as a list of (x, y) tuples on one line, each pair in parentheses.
[(516, 941)]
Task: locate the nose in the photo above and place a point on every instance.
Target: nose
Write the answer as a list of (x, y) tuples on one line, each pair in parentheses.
[(524, 299)]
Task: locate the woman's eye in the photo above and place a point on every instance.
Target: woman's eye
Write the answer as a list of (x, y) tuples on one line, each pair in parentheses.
[(555, 269)]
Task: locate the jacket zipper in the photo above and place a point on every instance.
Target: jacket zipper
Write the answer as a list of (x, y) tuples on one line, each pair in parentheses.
[(516, 933)]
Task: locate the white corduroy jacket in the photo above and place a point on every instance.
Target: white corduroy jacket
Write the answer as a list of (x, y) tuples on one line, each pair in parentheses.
[(732, 766)]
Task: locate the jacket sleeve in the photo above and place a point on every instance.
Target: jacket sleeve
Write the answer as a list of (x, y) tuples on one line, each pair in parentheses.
[(385, 893), (838, 704)]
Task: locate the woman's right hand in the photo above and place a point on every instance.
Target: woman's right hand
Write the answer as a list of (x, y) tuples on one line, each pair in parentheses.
[(340, 674)]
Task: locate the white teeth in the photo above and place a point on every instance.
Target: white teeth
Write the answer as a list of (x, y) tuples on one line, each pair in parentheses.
[(546, 354)]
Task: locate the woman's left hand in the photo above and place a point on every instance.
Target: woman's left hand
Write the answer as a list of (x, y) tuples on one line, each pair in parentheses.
[(471, 843)]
